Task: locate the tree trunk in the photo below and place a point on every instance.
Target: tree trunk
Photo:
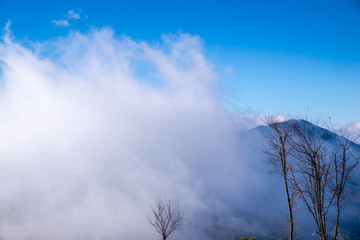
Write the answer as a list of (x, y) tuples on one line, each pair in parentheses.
[(291, 219), (337, 220)]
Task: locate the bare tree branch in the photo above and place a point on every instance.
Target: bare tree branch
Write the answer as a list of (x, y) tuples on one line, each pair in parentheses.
[(313, 174), (345, 161), (310, 168), (166, 215), (277, 151)]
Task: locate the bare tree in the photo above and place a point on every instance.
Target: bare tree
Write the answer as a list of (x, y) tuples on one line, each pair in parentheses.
[(277, 151), (166, 215), (345, 161), (313, 174), (315, 169)]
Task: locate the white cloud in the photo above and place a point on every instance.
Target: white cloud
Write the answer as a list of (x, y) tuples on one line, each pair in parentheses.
[(90, 135), (252, 120), (73, 15), (61, 23), (354, 126), (353, 129), (7, 32)]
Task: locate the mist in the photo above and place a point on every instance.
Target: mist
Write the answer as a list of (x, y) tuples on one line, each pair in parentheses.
[(94, 126)]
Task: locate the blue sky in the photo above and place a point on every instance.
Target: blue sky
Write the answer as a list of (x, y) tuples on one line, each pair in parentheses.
[(271, 56)]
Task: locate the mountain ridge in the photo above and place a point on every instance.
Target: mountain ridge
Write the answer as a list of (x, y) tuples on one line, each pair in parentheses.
[(325, 134)]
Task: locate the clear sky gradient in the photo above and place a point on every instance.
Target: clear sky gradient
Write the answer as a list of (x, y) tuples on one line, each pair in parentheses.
[(275, 56)]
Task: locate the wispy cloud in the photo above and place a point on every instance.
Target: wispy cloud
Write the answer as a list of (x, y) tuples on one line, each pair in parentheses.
[(7, 32), (61, 23), (353, 130), (73, 15)]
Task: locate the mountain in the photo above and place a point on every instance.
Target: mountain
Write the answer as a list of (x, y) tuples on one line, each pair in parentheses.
[(323, 133), (350, 224)]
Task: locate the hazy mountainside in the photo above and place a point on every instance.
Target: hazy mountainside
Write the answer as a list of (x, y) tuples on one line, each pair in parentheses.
[(323, 133), (350, 223), (247, 200)]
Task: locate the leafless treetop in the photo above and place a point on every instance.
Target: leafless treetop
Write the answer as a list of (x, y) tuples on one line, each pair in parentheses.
[(166, 215)]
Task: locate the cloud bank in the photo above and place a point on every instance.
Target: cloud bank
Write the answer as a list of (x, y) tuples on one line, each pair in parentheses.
[(93, 126)]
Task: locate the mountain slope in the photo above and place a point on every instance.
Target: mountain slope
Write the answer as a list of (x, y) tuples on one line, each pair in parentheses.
[(350, 225)]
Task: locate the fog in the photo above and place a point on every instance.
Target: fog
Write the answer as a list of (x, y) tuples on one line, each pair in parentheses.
[(94, 126)]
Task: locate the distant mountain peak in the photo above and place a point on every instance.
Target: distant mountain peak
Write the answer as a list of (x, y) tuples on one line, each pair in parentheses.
[(323, 133)]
